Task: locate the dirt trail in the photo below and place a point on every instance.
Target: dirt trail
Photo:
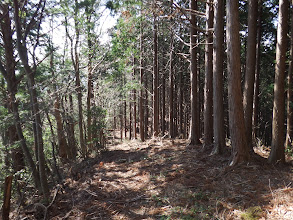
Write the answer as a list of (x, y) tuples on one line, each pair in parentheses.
[(162, 179)]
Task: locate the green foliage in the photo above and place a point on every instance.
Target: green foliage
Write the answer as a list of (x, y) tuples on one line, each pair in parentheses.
[(252, 213)]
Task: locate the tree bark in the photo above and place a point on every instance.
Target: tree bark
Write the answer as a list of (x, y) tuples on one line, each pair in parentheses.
[(277, 153), (208, 90), (194, 123), (236, 114), (250, 69), (257, 73), (141, 98), (134, 104), (218, 59), (289, 135), (155, 79), (6, 198), (171, 89)]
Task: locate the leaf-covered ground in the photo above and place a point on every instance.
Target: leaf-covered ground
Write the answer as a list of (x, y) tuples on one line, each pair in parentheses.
[(163, 179)]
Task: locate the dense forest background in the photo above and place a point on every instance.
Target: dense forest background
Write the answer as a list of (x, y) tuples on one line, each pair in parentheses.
[(216, 73)]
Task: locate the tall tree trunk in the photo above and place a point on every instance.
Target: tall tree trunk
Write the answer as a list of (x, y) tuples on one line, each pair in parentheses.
[(236, 114), (75, 60), (171, 102), (208, 90), (90, 95), (121, 121), (134, 99), (194, 123), (155, 79), (30, 73), (277, 153), (180, 104), (257, 73), (171, 86), (163, 104), (218, 59), (289, 135), (141, 98), (250, 69)]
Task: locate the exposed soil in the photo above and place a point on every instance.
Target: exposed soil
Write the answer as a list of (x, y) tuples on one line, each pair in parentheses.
[(163, 179)]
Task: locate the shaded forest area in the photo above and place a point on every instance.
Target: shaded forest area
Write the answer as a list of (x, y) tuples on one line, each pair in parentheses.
[(180, 110)]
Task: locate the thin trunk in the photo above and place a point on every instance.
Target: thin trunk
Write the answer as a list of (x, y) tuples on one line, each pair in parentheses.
[(75, 60), (130, 117), (141, 98), (125, 119), (90, 94), (236, 114), (257, 73), (218, 59), (277, 153), (194, 123), (146, 105), (180, 104), (155, 79), (171, 91), (134, 101), (121, 122), (208, 90), (250, 69)]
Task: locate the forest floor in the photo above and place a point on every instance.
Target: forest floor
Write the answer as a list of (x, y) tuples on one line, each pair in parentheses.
[(164, 179)]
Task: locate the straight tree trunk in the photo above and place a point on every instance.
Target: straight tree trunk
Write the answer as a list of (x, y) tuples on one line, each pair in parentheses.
[(90, 94), (125, 119), (289, 135), (277, 153), (141, 98), (257, 73), (130, 117), (155, 80), (218, 54), (208, 90), (171, 90), (250, 69), (121, 122), (146, 120), (134, 101), (75, 60), (163, 104), (180, 104), (194, 123), (236, 114)]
